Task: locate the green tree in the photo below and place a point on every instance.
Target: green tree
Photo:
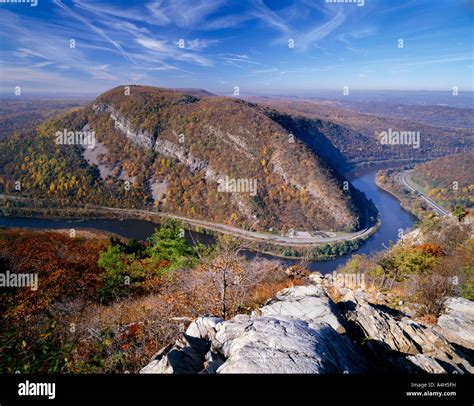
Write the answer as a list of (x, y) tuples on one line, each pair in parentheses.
[(168, 243), (113, 278), (459, 212)]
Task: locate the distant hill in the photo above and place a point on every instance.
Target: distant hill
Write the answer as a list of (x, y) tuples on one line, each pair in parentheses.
[(181, 152), (448, 180), (21, 115), (194, 92), (354, 133), (445, 116)]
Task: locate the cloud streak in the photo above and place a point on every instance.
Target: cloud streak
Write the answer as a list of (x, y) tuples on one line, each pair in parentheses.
[(227, 42), (97, 30)]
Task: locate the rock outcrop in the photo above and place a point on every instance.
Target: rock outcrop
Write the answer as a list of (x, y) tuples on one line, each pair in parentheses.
[(301, 330), (170, 149), (188, 353), (390, 335), (254, 344), (457, 322), (140, 137), (308, 303), (296, 332)]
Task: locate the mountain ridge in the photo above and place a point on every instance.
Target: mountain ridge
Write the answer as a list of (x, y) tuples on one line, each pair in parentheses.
[(160, 133), (173, 150)]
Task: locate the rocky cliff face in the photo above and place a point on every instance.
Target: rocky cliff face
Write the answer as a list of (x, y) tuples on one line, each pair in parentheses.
[(302, 330), (141, 137)]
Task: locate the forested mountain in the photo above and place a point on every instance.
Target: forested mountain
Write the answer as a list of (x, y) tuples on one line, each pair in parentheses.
[(355, 133), (174, 150), (406, 106), (448, 180)]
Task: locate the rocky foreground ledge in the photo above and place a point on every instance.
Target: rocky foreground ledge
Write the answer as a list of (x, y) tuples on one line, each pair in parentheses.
[(302, 330)]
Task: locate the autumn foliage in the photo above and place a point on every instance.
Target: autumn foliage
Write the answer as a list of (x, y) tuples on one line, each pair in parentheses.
[(85, 318)]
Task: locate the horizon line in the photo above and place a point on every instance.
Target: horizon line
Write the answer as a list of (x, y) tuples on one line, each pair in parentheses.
[(10, 94)]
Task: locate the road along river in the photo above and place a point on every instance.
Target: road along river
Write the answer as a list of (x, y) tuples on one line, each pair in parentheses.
[(393, 217)]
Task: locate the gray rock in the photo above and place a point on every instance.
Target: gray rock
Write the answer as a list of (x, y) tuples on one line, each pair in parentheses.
[(308, 303), (204, 327), (295, 332), (427, 364), (386, 332), (159, 364), (457, 322), (316, 277), (252, 344), (255, 344), (172, 150), (188, 354), (140, 137)]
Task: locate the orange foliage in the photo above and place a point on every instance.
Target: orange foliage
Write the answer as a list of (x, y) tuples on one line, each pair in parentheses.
[(66, 268), (431, 249), (266, 290)]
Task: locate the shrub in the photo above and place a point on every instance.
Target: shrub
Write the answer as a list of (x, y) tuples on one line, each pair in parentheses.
[(136, 268), (430, 292)]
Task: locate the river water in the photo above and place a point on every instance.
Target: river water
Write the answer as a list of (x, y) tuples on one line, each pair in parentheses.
[(392, 215)]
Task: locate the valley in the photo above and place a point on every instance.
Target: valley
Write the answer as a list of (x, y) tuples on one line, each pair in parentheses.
[(159, 150), (202, 197), (353, 128), (152, 161), (129, 200), (392, 219)]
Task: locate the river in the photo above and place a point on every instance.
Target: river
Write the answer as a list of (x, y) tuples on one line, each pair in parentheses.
[(392, 215)]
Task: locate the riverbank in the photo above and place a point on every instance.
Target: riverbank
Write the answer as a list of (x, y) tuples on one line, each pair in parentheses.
[(412, 199), (391, 215), (22, 206), (324, 249), (395, 189)]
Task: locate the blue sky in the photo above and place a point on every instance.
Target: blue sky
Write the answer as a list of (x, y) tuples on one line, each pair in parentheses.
[(236, 43)]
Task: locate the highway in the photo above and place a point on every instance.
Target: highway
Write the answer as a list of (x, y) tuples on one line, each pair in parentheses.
[(284, 240), (404, 180)]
